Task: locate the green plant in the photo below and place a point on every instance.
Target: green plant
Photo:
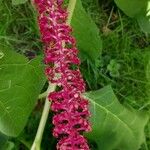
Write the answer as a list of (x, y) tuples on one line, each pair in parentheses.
[(122, 61)]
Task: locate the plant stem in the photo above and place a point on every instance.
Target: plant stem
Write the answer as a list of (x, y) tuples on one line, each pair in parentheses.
[(71, 8), (38, 138), (43, 95)]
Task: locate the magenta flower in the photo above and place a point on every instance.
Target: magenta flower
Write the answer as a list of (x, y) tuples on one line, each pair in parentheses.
[(70, 108)]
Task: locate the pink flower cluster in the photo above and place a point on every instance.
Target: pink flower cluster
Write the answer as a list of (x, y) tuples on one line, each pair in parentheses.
[(70, 108)]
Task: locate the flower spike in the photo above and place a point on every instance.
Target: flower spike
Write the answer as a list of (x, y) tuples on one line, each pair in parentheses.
[(61, 56)]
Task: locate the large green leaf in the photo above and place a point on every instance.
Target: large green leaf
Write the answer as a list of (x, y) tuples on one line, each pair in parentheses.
[(86, 33), (20, 84), (139, 9), (17, 2), (114, 126), (132, 8)]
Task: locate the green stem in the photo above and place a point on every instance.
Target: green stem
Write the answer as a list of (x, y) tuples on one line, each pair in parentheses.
[(43, 95), (71, 8), (38, 138)]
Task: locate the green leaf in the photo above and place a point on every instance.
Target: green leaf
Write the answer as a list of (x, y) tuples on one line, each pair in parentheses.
[(17, 2), (3, 141), (114, 126), (20, 84), (8, 146), (131, 8), (139, 9), (144, 21), (86, 33)]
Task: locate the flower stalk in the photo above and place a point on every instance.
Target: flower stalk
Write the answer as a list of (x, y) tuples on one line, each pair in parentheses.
[(38, 138)]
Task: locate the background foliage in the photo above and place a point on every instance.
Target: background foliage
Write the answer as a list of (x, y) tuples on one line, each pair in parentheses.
[(114, 51)]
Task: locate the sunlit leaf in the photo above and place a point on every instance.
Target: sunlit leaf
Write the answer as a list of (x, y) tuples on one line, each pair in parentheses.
[(113, 125), (20, 84), (86, 33), (139, 9)]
